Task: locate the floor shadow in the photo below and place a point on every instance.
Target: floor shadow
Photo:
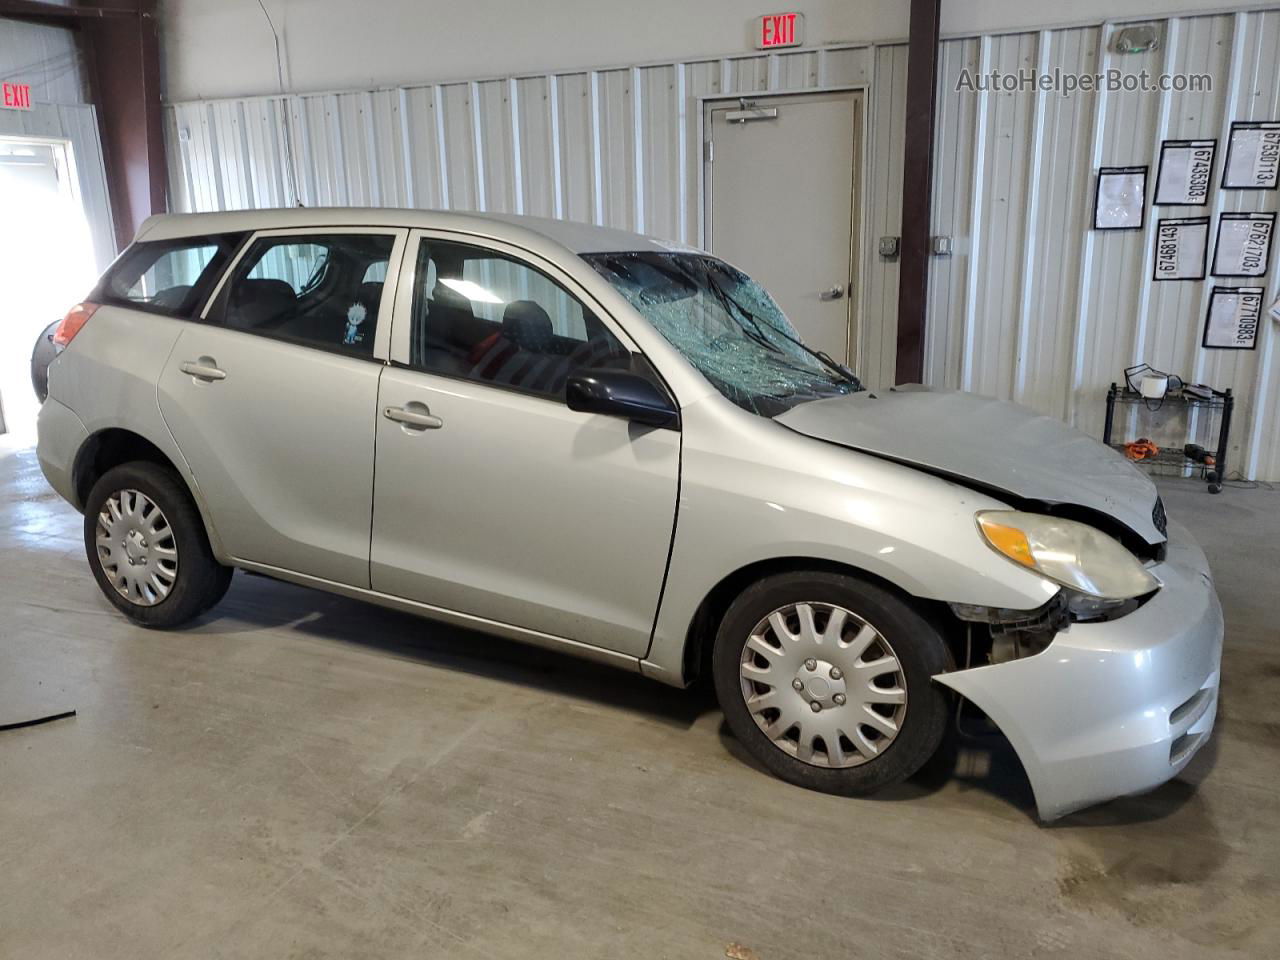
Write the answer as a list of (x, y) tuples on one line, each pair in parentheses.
[(1134, 854), (986, 763), (974, 756), (255, 603)]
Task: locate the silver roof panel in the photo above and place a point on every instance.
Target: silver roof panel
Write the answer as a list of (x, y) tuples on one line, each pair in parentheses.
[(520, 230)]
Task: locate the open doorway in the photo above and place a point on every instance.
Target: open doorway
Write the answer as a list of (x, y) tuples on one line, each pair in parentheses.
[(781, 198), (46, 263)]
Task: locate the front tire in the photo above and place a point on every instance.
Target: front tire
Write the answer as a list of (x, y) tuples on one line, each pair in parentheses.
[(148, 549), (826, 680)]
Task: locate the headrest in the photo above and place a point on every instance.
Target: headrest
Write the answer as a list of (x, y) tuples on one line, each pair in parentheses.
[(527, 325), (172, 298), (448, 297), (371, 294), (254, 291)]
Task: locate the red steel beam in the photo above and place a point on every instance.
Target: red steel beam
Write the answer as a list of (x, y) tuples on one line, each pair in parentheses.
[(122, 50), (917, 188)]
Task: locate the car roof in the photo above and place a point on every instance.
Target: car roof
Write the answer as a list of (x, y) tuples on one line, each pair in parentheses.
[(520, 230)]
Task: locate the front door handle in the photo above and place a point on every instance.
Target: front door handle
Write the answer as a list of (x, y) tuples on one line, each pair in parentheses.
[(835, 293), (203, 369), (413, 419)]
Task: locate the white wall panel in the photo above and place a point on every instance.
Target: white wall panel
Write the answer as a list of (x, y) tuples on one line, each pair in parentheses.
[(44, 56), (1034, 305), (886, 110)]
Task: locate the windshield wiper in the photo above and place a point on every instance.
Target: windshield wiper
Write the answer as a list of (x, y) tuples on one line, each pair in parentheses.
[(755, 335), (820, 355)]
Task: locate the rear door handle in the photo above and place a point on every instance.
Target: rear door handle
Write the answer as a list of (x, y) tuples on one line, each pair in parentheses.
[(835, 293), (414, 419), (205, 371)]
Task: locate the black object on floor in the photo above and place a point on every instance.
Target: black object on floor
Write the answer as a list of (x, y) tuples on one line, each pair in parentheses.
[(37, 721)]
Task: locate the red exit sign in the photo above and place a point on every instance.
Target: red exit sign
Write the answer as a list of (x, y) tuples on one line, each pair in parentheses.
[(16, 96), (779, 30)]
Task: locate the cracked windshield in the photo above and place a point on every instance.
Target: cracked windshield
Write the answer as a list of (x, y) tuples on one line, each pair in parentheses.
[(728, 327)]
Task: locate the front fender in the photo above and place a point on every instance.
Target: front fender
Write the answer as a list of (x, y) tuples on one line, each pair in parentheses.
[(753, 491)]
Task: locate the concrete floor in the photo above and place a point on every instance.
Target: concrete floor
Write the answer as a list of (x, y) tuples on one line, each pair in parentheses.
[(305, 776)]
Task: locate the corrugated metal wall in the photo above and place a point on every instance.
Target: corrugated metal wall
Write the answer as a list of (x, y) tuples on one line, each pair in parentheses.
[(1034, 305), (43, 56), (46, 57), (615, 147)]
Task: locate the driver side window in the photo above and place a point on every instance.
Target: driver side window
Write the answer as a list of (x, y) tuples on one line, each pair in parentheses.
[(483, 316), (314, 290)]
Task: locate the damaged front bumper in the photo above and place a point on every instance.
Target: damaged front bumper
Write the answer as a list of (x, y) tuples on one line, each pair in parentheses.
[(1113, 708)]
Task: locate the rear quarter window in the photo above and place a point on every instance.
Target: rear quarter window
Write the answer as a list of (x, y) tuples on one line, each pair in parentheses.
[(171, 277)]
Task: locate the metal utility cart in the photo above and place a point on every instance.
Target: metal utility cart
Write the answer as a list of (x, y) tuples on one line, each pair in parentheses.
[(1210, 400)]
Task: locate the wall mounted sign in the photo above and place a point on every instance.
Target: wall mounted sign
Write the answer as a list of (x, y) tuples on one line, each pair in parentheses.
[(1253, 157), (1182, 249), (1232, 321), (775, 30), (15, 96), (1244, 244), (1186, 167), (1120, 199)]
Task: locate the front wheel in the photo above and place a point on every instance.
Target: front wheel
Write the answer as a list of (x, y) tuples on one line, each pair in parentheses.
[(148, 549), (826, 680)]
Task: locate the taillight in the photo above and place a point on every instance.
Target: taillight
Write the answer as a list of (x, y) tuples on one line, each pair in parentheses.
[(76, 318)]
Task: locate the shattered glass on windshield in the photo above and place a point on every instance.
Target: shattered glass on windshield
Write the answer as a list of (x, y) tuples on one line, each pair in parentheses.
[(727, 326)]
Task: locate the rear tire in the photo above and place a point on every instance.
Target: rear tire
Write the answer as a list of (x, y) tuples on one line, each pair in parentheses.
[(826, 680), (148, 549)]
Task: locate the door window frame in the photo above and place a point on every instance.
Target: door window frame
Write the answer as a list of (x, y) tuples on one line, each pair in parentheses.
[(402, 315), (390, 287)]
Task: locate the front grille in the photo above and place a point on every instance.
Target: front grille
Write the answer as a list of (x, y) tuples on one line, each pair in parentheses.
[(1159, 519)]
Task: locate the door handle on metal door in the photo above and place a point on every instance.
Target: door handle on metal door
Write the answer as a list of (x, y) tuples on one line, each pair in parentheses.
[(835, 293), (203, 370), (414, 419)]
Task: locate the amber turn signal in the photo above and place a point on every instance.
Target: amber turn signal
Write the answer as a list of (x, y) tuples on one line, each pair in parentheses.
[(1010, 541)]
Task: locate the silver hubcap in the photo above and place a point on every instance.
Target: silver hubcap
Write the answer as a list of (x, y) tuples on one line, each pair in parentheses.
[(136, 548), (823, 684)]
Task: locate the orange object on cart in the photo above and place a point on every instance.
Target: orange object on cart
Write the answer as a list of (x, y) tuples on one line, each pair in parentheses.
[(1141, 449)]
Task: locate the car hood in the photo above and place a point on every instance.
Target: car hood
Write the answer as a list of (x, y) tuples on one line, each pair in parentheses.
[(998, 446)]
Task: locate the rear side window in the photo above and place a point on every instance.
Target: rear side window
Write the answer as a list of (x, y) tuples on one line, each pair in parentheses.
[(319, 290), (167, 276)]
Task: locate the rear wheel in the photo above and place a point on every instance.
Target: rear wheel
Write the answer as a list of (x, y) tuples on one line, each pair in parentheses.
[(148, 549), (827, 681)]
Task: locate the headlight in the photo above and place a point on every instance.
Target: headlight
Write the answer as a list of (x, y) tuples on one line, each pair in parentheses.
[(1073, 554)]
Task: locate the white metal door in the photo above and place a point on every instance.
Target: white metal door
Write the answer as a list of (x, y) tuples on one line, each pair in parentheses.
[(781, 204)]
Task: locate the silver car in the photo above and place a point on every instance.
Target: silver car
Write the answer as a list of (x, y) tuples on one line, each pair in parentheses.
[(606, 444)]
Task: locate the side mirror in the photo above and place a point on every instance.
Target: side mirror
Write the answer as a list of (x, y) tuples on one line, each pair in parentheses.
[(619, 393)]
